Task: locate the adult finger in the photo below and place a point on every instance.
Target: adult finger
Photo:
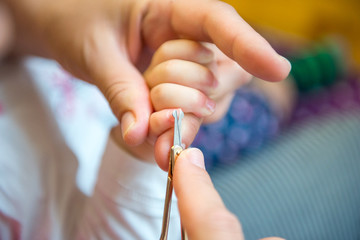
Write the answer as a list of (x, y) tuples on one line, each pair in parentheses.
[(218, 22), (203, 213)]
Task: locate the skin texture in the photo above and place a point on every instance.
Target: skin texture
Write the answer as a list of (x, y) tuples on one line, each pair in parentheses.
[(108, 42)]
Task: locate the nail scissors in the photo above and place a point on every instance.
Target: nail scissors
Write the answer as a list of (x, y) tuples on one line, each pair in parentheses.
[(174, 153)]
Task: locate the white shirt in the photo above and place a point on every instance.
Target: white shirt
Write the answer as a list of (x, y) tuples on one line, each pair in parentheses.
[(61, 176)]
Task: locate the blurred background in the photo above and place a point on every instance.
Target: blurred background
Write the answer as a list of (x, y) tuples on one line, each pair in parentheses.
[(320, 38), (305, 21), (301, 182)]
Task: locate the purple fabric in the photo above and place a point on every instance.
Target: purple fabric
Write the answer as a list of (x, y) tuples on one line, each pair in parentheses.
[(342, 96), (250, 121), (248, 124)]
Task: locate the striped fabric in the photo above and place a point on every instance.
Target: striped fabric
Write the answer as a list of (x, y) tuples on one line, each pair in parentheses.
[(305, 184)]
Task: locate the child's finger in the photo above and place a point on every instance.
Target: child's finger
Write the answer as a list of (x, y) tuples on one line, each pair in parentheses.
[(182, 49), (168, 95), (182, 72), (165, 133), (160, 122), (162, 149)]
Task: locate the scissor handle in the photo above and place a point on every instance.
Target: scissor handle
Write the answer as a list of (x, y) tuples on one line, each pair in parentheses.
[(174, 153)]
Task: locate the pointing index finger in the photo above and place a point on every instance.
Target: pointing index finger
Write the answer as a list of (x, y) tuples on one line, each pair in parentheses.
[(218, 22)]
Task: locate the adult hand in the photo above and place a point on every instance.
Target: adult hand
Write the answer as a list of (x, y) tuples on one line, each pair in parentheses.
[(202, 211), (105, 42)]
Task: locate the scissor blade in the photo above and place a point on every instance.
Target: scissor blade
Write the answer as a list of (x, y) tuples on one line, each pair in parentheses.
[(177, 127), (167, 208)]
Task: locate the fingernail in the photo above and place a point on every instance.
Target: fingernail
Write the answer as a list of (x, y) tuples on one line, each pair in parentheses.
[(196, 158), (287, 62), (127, 123), (206, 56), (209, 107)]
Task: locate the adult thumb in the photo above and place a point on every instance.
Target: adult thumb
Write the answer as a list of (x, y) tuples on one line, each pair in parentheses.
[(203, 213), (124, 88)]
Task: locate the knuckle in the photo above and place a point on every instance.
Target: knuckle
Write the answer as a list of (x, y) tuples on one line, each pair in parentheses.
[(199, 99), (148, 76), (164, 50), (113, 92), (157, 95), (165, 47), (169, 66), (163, 72), (156, 92)]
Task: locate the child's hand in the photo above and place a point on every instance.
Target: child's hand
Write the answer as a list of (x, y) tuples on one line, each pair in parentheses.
[(194, 77)]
